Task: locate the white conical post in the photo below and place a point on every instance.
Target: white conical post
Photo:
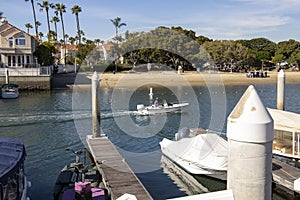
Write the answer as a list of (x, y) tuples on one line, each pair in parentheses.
[(95, 105), (280, 90), (250, 135)]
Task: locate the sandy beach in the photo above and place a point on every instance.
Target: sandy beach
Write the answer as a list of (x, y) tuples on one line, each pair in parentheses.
[(128, 79)]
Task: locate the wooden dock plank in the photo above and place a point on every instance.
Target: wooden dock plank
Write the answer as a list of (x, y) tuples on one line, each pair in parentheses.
[(284, 174), (117, 173)]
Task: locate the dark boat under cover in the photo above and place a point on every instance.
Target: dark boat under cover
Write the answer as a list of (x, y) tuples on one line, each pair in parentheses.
[(12, 156)]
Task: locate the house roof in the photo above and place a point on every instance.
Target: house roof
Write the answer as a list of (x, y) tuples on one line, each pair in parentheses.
[(107, 47), (69, 47), (7, 29)]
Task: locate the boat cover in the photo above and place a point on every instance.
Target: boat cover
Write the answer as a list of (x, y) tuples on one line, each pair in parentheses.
[(12, 156), (7, 85), (284, 120), (206, 151)]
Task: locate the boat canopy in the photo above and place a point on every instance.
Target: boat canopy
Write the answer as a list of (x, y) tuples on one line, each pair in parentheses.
[(208, 151), (285, 121), (12, 156), (8, 85)]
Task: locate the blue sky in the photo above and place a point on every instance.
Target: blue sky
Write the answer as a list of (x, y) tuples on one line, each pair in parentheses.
[(276, 20)]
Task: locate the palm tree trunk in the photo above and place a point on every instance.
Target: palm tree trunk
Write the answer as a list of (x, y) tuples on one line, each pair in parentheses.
[(48, 21), (78, 28), (64, 38), (55, 26), (34, 18)]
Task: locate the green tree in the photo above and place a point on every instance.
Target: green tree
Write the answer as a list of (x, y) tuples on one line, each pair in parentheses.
[(28, 26), (295, 58), (76, 10), (260, 48), (34, 17), (284, 50), (228, 52), (45, 52), (83, 51), (46, 5), (51, 35), (162, 45)]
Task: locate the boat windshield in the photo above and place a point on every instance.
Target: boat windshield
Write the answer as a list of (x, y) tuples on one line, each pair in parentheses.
[(287, 142)]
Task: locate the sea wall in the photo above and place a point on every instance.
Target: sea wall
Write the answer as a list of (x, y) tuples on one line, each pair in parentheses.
[(30, 82)]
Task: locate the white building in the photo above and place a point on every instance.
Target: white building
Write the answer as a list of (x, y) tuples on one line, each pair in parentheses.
[(16, 47)]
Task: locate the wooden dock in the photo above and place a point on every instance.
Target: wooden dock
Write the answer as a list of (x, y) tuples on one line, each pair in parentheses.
[(117, 175), (285, 175)]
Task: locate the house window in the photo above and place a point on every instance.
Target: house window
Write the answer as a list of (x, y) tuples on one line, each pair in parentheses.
[(9, 60), (13, 61), (20, 40), (10, 42), (19, 61)]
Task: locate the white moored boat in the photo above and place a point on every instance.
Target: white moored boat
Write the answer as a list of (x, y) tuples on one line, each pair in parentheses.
[(9, 91), (204, 153), (158, 109), (286, 133)]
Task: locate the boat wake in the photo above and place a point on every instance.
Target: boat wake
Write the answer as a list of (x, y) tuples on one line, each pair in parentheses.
[(21, 119)]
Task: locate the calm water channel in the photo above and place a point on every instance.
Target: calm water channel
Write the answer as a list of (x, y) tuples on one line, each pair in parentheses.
[(50, 122)]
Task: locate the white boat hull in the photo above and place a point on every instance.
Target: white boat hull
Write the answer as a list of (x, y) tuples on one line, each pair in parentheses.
[(10, 94), (152, 110), (204, 154)]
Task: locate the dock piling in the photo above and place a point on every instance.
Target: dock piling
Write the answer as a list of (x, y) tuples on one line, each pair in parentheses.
[(96, 105), (250, 135), (280, 90)]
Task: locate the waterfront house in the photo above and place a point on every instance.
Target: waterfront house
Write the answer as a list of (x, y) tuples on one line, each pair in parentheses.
[(16, 47), (71, 51)]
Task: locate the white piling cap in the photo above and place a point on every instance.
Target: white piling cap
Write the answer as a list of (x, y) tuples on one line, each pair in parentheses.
[(281, 73), (250, 121), (95, 76)]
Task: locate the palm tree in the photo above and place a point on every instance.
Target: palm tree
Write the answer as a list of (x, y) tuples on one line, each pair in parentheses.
[(72, 40), (76, 10), (46, 5), (41, 35), (52, 35), (60, 9), (97, 41), (37, 24), (66, 37), (28, 26), (54, 20), (34, 17), (117, 24)]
